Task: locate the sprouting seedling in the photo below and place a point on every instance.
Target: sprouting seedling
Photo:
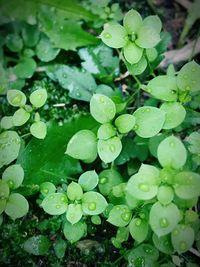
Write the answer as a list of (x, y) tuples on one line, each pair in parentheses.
[(13, 204), (137, 38), (18, 99), (74, 202)]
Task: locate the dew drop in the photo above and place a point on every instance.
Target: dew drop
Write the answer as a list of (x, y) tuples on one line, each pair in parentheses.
[(45, 190), (107, 35), (78, 94), (187, 88), (172, 144), (144, 187), (183, 246), (101, 99), (147, 109), (194, 69), (62, 199), (126, 216), (92, 206), (175, 232), (138, 222), (112, 148), (103, 180), (57, 206), (164, 222), (51, 197)]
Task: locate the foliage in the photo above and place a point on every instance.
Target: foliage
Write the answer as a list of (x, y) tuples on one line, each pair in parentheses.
[(108, 157)]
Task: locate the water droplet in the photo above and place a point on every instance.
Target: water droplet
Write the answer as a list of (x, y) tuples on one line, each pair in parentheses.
[(57, 206), (194, 69), (164, 222), (51, 197), (102, 99), (11, 184), (183, 246), (185, 76), (107, 35), (45, 191), (62, 199), (144, 187), (147, 109), (172, 144), (148, 250), (103, 180), (142, 215), (78, 94), (136, 127), (126, 216), (175, 232), (138, 222), (92, 206), (64, 75), (183, 226), (112, 148), (187, 88)]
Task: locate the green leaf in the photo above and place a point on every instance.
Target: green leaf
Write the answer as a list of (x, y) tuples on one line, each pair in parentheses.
[(10, 143), (182, 238), (96, 219), (14, 42), (71, 9), (154, 143), (88, 180), (16, 98), (138, 68), (37, 245), (187, 185), (138, 229), (132, 21), (172, 153), (143, 255), (170, 109), (109, 150), (163, 243), (55, 203), (151, 54), (13, 175), (154, 22), (60, 248), (106, 131), (125, 123), (163, 219), (45, 51), (148, 37), (107, 180), (120, 215), (7, 122), (44, 160), (149, 121), (74, 191), (83, 145), (13, 10), (188, 78), (74, 213), (194, 142), (64, 34), (132, 53), (38, 98), (39, 129), (102, 108), (143, 185), (20, 117), (4, 193), (17, 206), (25, 68), (30, 34), (99, 60), (47, 188), (163, 87), (93, 203), (114, 35), (74, 232), (165, 194), (80, 84), (122, 234)]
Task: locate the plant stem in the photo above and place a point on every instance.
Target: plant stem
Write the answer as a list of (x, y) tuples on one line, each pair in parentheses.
[(25, 135)]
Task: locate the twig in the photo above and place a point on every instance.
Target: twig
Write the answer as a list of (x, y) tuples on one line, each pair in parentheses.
[(183, 54), (195, 252), (123, 76), (59, 105)]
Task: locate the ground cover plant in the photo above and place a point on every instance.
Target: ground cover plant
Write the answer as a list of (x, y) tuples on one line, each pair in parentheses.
[(99, 143)]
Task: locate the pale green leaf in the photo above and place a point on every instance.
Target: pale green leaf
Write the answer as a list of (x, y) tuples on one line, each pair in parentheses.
[(55, 203), (74, 232), (39, 129), (109, 150), (163, 219), (138, 68), (172, 153), (170, 109), (25, 68), (114, 35), (93, 203), (125, 123), (102, 108), (38, 98), (163, 243), (47, 188), (132, 53), (149, 121), (74, 191), (132, 21), (74, 213), (88, 180), (13, 175), (20, 117), (106, 131), (138, 229), (16, 98), (120, 215), (165, 194), (147, 37), (7, 122), (17, 206)]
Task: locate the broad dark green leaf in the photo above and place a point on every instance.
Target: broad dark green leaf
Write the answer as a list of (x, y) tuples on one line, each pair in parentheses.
[(65, 34), (37, 245), (44, 160), (80, 84)]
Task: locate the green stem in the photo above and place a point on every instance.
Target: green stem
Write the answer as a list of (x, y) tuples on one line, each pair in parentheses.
[(25, 135), (132, 97)]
